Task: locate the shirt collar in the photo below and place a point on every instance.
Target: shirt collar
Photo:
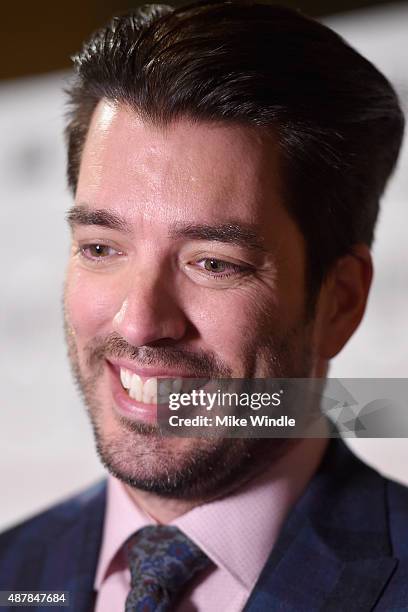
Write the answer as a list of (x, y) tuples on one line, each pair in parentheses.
[(239, 531), (122, 519)]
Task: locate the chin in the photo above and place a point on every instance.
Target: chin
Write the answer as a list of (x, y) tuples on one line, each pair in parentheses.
[(190, 469)]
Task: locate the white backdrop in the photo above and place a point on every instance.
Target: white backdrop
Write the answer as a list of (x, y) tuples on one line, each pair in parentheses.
[(46, 444)]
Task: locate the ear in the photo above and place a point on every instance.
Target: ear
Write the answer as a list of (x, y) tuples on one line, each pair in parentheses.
[(342, 301)]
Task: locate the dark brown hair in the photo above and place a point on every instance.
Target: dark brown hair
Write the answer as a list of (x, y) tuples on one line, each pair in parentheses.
[(337, 118)]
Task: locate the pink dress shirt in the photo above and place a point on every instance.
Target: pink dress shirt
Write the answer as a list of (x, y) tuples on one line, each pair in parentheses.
[(237, 532)]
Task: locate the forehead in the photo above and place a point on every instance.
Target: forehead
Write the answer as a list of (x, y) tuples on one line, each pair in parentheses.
[(184, 171)]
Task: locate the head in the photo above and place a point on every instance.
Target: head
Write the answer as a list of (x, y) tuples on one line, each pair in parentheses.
[(227, 162)]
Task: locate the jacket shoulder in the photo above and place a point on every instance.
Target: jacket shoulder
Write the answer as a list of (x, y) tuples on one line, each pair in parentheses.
[(44, 527), (397, 495), (395, 596)]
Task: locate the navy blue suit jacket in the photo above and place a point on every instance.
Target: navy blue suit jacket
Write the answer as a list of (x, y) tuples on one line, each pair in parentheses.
[(344, 546)]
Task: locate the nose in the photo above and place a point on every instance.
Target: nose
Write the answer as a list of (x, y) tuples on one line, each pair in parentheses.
[(149, 312)]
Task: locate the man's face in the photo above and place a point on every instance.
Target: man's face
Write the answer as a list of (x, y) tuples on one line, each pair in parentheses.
[(190, 268)]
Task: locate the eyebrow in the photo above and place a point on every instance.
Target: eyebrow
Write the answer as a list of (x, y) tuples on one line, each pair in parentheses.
[(84, 215), (236, 233)]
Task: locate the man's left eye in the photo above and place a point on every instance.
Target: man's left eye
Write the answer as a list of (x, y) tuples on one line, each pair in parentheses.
[(97, 251), (218, 267)]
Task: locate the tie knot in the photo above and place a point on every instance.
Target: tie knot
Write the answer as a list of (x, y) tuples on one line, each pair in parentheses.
[(162, 559)]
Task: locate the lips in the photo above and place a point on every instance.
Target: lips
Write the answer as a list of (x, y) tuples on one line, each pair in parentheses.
[(127, 407), (137, 394)]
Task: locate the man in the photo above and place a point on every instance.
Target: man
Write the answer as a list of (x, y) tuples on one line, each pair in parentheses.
[(227, 161)]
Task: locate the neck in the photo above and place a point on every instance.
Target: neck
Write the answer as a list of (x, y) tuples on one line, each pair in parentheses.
[(161, 510)]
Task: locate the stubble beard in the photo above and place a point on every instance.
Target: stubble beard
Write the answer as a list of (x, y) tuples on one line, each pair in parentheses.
[(195, 469)]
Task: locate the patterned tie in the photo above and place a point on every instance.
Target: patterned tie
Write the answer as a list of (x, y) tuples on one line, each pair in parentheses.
[(162, 560)]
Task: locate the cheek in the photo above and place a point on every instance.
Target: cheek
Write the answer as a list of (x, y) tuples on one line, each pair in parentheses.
[(91, 302), (232, 324), (237, 325)]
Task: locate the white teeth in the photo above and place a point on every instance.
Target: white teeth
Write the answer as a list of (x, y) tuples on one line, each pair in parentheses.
[(177, 384), (125, 378), (152, 390), (164, 389), (136, 388), (165, 386)]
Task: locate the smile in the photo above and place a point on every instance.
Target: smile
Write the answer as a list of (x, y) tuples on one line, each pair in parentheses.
[(151, 390)]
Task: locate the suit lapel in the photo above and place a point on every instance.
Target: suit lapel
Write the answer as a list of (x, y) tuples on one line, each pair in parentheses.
[(72, 557), (334, 552)]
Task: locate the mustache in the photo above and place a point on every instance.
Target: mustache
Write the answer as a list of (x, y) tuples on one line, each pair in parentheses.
[(198, 364)]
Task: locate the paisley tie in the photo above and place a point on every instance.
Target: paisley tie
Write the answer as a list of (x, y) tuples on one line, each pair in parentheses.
[(162, 560)]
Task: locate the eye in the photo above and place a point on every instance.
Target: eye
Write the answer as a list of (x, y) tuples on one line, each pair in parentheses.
[(97, 251), (220, 268)]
